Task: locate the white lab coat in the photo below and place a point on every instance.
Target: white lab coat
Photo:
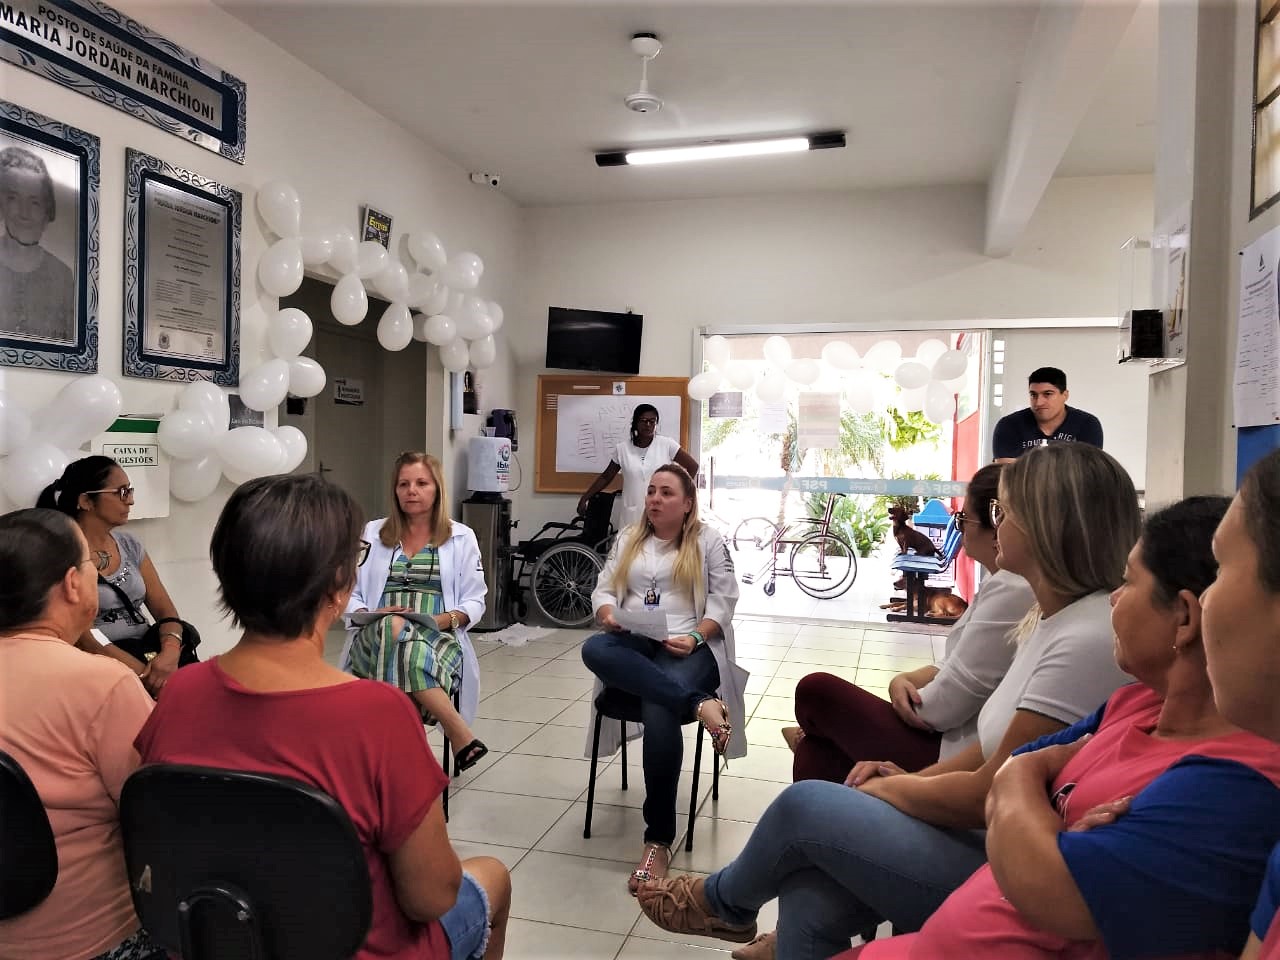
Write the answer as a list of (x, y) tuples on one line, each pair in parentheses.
[(461, 582), (719, 603)]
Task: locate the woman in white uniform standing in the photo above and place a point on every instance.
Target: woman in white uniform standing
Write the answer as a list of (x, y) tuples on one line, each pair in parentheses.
[(638, 458)]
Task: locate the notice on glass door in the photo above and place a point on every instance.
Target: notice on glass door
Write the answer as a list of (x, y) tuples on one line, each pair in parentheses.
[(1257, 373), (819, 421)]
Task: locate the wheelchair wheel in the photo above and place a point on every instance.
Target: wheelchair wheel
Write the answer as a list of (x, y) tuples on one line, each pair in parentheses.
[(824, 565), (754, 533), (562, 581)]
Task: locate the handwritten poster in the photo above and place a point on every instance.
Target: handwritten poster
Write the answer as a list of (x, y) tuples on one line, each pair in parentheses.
[(1257, 374), (589, 428)]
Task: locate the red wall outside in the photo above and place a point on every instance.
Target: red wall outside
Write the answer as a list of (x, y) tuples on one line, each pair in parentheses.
[(964, 463)]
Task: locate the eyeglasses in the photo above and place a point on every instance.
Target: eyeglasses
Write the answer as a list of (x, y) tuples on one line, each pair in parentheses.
[(998, 513), (961, 517), (647, 421), (124, 493), (362, 553)]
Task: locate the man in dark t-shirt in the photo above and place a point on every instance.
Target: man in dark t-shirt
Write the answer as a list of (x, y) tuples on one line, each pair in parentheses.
[(1046, 420)]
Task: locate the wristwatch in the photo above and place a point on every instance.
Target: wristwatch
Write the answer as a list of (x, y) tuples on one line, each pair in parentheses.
[(454, 623)]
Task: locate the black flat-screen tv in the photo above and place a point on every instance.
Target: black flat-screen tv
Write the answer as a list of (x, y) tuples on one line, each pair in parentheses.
[(593, 340)]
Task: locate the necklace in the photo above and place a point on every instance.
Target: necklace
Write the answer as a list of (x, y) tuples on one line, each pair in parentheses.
[(102, 559), (20, 243)]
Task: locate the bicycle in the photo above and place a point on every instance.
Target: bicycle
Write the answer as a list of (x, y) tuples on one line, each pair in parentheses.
[(822, 563)]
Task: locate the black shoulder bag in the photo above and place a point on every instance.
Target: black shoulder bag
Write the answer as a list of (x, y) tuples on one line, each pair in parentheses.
[(147, 644)]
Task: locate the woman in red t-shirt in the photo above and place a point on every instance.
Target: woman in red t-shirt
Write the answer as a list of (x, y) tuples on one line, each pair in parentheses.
[(285, 551)]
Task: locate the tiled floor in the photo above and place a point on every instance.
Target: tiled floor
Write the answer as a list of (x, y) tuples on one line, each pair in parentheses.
[(525, 802)]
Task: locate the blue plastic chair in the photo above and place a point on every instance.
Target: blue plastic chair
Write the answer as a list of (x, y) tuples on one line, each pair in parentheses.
[(917, 570)]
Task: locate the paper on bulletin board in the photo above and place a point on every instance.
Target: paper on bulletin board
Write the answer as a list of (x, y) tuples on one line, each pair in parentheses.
[(1257, 373), (132, 442), (589, 428), (818, 422), (773, 418)]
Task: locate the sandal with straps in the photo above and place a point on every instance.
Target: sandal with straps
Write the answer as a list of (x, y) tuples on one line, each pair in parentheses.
[(720, 732), (673, 905), (649, 868)]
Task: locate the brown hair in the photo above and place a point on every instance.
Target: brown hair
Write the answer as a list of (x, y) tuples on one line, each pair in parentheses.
[(441, 526)]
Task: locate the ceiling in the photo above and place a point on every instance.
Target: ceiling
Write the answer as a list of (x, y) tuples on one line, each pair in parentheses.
[(530, 90)]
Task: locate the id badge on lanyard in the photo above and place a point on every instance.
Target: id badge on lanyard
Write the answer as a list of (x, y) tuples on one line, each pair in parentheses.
[(652, 596)]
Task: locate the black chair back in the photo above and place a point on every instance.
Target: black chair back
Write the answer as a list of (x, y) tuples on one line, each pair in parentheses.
[(224, 863), (28, 854)]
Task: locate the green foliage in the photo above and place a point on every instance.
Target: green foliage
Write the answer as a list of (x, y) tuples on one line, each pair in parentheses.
[(909, 501), (853, 518), (905, 430)]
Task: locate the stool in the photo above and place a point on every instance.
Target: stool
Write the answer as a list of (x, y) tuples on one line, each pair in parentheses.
[(28, 853), (447, 755), (625, 708)]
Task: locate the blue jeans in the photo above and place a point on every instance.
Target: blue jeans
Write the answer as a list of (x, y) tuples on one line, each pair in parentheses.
[(840, 861), (466, 925), (670, 689)]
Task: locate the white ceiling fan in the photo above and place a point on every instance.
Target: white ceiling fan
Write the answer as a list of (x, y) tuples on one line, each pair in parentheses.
[(646, 46)]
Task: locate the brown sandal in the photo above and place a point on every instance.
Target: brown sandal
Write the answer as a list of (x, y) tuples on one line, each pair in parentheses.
[(673, 905), (763, 947), (720, 732), (793, 736), (653, 866)]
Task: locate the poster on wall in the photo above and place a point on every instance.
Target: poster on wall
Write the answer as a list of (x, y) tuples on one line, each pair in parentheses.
[(94, 49), (589, 428), (181, 274), (376, 226), (1257, 372), (49, 174)]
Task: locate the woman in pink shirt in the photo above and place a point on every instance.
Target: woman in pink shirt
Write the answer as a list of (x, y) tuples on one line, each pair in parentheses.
[(69, 719)]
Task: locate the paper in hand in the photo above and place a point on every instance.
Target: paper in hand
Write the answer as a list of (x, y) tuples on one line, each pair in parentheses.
[(643, 623)]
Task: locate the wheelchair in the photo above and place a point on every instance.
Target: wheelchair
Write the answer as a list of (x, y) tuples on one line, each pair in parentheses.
[(559, 565)]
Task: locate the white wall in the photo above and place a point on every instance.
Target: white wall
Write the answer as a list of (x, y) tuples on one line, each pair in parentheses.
[(895, 255), (339, 154)]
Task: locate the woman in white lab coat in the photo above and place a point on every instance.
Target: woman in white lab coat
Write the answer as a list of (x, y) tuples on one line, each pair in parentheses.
[(420, 588)]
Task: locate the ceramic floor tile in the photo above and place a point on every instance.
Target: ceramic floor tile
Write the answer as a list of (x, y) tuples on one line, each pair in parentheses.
[(505, 705), (894, 664), (491, 681), (560, 688), (599, 901), (466, 849), (503, 735), (798, 671), (777, 708), (763, 763), (767, 732), (503, 819), (715, 843), (913, 647), (565, 668), (850, 633), (553, 741), (939, 648), (757, 684), (876, 681), (464, 779), (609, 786), (779, 687), (762, 651), (641, 948), (535, 776), (577, 714), (530, 940), (826, 658), (741, 799), (757, 667), (836, 643), (617, 833)]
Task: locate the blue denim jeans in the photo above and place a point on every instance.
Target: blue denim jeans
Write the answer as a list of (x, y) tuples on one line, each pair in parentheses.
[(670, 689), (840, 861)]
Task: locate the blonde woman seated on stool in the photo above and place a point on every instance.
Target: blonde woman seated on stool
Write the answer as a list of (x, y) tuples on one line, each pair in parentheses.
[(420, 588), (671, 564)]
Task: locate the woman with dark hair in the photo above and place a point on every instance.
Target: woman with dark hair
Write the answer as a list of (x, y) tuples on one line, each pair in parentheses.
[(95, 492), (69, 720), (278, 708), (408, 615), (637, 458), (672, 564)]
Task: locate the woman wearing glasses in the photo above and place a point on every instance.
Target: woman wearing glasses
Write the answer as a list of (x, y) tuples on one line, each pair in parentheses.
[(637, 458), (95, 492), (897, 844), (415, 596)]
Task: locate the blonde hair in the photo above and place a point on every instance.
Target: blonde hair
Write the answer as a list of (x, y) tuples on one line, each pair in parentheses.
[(397, 523), (1079, 510), (687, 571)]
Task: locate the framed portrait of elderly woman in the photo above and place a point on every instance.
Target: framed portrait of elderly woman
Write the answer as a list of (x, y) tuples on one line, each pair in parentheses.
[(49, 174), (181, 274)]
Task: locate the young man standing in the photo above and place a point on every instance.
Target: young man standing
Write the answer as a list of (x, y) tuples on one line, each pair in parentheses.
[(1046, 420)]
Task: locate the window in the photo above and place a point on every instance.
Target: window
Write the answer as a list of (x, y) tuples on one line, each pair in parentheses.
[(1266, 109)]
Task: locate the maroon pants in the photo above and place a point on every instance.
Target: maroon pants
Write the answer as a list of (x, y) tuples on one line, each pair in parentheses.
[(843, 724)]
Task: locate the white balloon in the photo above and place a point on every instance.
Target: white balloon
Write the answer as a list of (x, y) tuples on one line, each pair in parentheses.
[(716, 352), (306, 377), (249, 451), (393, 281), (704, 385), (884, 356), (84, 408), (349, 303), (772, 386), (265, 386), (440, 329), (438, 302), (419, 328), (939, 403), (289, 332), (186, 434), (777, 351), (192, 480), (496, 314), (371, 259), (911, 375), (454, 356), (484, 352), (803, 372), (930, 350), (317, 248), (280, 269), (294, 444), (463, 271), (951, 365), (473, 319), (741, 374), (956, 385), (30, 469), (15, 425), (421, 289), (280, 208), (208, 399), (861, 393), (346, 251), (840, 355), (911, 400), (427, 251), (395, 329)]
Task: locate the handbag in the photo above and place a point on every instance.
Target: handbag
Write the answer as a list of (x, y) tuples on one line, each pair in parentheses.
[(147, 644)]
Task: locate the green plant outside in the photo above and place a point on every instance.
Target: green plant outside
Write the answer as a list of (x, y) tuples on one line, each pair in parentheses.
[(854, 518)]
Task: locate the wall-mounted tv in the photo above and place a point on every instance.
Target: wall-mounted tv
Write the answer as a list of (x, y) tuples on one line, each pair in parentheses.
[(593, 340)]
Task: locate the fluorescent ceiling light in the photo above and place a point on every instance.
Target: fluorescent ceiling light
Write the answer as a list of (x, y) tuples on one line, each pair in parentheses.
[(717, 151)]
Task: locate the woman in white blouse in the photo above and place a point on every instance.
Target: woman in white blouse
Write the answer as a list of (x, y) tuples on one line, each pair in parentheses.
[(637, 459), (669, 564)]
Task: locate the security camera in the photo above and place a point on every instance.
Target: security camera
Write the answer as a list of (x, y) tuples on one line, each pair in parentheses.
[(487, 179)]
